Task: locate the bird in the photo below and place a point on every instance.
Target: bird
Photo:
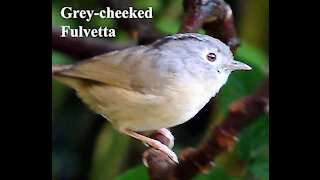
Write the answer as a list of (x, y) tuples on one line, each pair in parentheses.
[(150, 88)]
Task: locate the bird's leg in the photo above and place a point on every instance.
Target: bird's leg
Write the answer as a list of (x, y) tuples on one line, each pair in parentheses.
[(154, 143)]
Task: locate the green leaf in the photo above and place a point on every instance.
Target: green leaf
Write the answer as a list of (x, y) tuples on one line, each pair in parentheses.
[(139, 172), (253, 140), (216, 173), (253, 149), (259, 169)]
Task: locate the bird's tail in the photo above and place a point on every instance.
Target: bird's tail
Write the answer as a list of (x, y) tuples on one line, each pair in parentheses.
[(57, 73), (57, 69)]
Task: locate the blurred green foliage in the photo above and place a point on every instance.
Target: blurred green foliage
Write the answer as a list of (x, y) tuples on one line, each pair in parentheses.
[(253, 148), (79, 152), (217, 173), (109, 152), (254, 23), (59, 91), (243, 83), (139, 172)]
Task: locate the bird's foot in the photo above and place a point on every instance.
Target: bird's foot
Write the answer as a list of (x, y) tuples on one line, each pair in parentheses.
[(165, 149), (166, 139), (154, 143)]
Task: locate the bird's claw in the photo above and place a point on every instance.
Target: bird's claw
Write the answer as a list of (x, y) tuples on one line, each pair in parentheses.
[(161, 147), (153, 156)]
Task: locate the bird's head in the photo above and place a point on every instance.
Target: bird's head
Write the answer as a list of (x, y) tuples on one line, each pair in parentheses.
[(199, 56)]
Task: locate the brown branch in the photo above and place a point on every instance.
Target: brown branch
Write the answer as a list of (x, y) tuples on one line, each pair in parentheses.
[(215, 16), (82, 48), (223, 136)]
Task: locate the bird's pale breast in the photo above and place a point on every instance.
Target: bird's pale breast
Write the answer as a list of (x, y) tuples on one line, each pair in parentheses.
[(144, 112)]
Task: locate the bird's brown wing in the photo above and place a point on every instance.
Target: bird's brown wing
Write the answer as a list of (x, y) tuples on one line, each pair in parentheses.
[(99, 70), (129, 69)]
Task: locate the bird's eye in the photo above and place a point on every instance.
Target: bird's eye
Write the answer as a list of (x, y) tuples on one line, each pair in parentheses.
[(211, 57)]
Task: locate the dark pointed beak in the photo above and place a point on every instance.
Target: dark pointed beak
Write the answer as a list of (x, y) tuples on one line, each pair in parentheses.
[(237, 65)]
